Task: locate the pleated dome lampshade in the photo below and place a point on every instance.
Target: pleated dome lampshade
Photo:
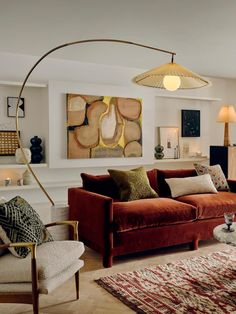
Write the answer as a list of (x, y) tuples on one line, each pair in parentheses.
[(171, 76)]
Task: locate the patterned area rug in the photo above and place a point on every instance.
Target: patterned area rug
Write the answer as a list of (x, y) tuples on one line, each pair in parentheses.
[(205, 284)]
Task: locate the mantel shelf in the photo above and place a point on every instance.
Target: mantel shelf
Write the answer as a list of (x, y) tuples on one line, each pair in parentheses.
[(48, 185), (172, 160), (190, 97), (29, 84), (18, 166)]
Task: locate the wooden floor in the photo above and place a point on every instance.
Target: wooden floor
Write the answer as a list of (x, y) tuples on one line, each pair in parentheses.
[(93, 298)]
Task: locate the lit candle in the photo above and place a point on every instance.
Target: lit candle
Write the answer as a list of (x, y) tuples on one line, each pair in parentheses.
[(7, 181)]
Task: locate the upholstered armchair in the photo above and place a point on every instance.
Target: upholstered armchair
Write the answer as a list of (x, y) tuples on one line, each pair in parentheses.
[(48, 266)]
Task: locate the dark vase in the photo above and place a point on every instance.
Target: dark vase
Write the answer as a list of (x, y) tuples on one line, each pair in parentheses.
[(159, 151), (36, 150)]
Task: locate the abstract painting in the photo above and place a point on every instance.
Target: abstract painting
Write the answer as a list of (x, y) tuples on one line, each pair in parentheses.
[(11, 107), (190, 123), (103, 126)]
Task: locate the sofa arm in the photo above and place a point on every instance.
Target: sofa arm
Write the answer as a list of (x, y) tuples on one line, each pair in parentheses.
[(232, 185), (95, 215)]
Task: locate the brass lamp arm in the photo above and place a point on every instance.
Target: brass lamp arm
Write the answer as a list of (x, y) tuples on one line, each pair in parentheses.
[(120, 41)]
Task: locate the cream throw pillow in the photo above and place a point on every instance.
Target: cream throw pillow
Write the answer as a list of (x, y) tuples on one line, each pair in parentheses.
[(191, 185)]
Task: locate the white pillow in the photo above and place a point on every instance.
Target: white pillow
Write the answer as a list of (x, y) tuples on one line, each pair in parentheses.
[(191, 185)]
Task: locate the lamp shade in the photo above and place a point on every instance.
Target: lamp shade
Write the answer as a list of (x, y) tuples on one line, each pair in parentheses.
[(226, 114), (157, 77)]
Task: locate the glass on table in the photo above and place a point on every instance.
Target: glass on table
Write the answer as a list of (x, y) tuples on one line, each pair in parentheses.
[(229, 219)]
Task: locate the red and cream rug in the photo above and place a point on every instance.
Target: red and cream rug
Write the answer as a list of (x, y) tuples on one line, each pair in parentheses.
[(205, 284)]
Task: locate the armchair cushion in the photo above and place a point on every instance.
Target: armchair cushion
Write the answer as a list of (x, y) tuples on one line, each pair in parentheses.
[(53, 258), (19, 222)]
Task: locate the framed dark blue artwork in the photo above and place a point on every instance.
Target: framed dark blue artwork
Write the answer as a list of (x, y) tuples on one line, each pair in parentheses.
[(190, 123)]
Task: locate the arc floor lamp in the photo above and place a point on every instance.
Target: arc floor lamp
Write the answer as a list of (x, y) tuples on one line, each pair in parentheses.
[(171, 76)]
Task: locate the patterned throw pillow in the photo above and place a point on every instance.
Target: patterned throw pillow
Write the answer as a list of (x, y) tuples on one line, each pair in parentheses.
[(216, 173), (132, 184), (19, 222)]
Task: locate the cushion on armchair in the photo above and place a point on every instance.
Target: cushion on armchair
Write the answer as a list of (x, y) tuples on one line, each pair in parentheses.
[(19, 222)]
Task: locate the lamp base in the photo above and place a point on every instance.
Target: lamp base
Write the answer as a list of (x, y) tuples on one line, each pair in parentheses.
[(226, 135)]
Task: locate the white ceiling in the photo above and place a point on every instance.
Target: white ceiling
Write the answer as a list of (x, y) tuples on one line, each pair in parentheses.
[(201, 32)]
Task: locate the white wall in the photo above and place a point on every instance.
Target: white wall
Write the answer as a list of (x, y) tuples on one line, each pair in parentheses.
[(107, 78)]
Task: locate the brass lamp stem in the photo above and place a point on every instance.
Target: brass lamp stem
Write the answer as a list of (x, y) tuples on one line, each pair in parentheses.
[(120, 41)]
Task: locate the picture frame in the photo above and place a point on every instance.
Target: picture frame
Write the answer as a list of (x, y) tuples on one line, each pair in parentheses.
[(190, 123), (168, 137), (11, 107)]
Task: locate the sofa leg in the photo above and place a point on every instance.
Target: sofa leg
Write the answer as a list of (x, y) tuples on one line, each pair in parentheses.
[(194, 244), (107, 261)]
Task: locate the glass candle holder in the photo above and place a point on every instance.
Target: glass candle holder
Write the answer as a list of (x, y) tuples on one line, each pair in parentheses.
[(229, 219), (7, 181)]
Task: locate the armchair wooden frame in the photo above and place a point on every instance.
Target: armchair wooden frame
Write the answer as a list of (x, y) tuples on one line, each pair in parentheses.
[(33, 297)]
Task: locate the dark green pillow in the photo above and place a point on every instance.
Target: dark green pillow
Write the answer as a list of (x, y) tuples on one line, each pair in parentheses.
[(19, 222), (133, 184)]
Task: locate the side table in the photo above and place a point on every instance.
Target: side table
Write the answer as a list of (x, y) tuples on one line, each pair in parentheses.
[(223, 236)]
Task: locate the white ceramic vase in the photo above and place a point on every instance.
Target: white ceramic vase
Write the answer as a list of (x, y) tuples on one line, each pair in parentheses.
[(27, 177), (19, 155)]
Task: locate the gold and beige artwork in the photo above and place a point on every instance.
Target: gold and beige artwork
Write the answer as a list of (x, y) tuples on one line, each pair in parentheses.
[(103, 126)]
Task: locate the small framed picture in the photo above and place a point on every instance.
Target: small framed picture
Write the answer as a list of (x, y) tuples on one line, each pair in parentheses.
[(168, 137), (11, 107)]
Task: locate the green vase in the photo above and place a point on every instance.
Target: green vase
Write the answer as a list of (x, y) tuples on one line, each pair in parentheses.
[(159, 151)]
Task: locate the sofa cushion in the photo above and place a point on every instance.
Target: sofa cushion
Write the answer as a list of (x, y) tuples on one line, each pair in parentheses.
[(133, 184), (211, 205), (105, 185), (101, 184), (19, 222), (146, 213), (163, 189), (52, 258), (191, 185), (216, 173)]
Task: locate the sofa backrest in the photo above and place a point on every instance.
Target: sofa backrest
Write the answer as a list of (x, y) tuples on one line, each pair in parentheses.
[(163, 189), (104, 184)]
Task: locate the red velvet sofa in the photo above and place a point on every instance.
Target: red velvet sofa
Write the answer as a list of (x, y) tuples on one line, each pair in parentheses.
[(115, 228)]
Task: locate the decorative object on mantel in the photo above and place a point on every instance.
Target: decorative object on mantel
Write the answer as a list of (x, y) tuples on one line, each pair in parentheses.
[(170, 76), (8, 143), (11, 107), (185, 150), (36, 150), (203, 284), (27, 177), (190, 123), (159, 151), (168, 137), (20, 157), (226, 115)]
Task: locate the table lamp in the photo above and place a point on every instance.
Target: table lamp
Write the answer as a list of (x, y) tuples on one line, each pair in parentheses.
[(227, 114)]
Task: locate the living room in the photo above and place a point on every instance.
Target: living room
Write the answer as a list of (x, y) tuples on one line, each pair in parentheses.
[(200, 33)]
